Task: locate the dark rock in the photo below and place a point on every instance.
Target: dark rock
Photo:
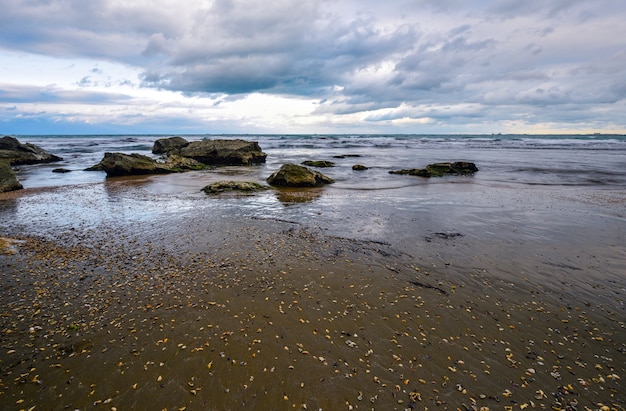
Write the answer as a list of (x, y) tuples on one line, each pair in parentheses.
[(16, 153), (119, 164), (359, 167), (61, 170), (225, 186), (318, 163), (222, 152), (293, 175), (8, 180), (180, 164), (441, 169), (347, 155), (165, 145)]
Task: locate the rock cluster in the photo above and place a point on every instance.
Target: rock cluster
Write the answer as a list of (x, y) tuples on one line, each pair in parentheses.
[(182, 155), (441, 169), (212, 152)]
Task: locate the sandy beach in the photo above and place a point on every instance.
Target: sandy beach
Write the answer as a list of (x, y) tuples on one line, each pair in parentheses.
[(189, 303)]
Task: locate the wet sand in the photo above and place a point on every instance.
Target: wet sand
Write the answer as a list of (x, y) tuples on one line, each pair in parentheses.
[(215, 309)]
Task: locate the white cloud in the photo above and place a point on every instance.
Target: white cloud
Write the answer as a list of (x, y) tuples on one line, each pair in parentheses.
[(250, 65)]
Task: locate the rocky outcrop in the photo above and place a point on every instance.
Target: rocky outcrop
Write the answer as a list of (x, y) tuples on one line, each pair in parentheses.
[(222, 152), (165, 145), (119, 164), (8, 180), (15, 153), (293, 175), (227, 186), (318, 163), (441, 169)]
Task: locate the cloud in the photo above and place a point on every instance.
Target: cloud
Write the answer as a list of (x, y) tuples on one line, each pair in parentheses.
[(52, 94), (362, 61)]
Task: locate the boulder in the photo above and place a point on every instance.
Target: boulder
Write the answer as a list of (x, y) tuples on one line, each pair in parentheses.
[(16, 153), (8, 180), (222, 152), (318, 163), (119, 164), (440, 169), (225, 186), (293, 175), (165, 145)]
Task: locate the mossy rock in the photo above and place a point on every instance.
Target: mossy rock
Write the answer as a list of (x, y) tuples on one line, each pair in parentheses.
[(234, 186), (293, 175), (359, 167), (318, 163), (440, 169)]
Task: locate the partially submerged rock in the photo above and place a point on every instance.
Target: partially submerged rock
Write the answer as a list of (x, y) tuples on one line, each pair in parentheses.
[(15, 153), (228, 186), (165, 145), (318, 163), (120, 164), (440, 169), (359, 167), (222, 152), (8, 179), (293, 175)]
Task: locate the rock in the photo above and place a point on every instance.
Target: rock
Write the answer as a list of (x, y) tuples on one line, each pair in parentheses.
[(119, 164), (222, 152), (441, 169), (165, 145), (347, 155), (359, 167), (180, 164), (16, 153), (8, 180), (293, 175), (318, 163), (224, 186), (61, 170)]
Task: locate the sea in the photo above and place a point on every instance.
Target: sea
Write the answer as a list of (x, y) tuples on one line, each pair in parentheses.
[(550, 160), (566, 192)]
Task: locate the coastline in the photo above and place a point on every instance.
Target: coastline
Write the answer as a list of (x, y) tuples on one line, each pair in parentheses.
[(207, 306)]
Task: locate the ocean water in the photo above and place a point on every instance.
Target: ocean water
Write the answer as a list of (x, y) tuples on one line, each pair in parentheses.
[(576, 160), (531, 192)]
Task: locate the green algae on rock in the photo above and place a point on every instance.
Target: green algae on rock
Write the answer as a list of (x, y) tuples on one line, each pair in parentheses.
[(229, 186), (293, 175), (440, 169), (318, 163)]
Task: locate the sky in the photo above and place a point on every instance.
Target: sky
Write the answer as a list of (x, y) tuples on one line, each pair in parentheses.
[(312, 66)]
